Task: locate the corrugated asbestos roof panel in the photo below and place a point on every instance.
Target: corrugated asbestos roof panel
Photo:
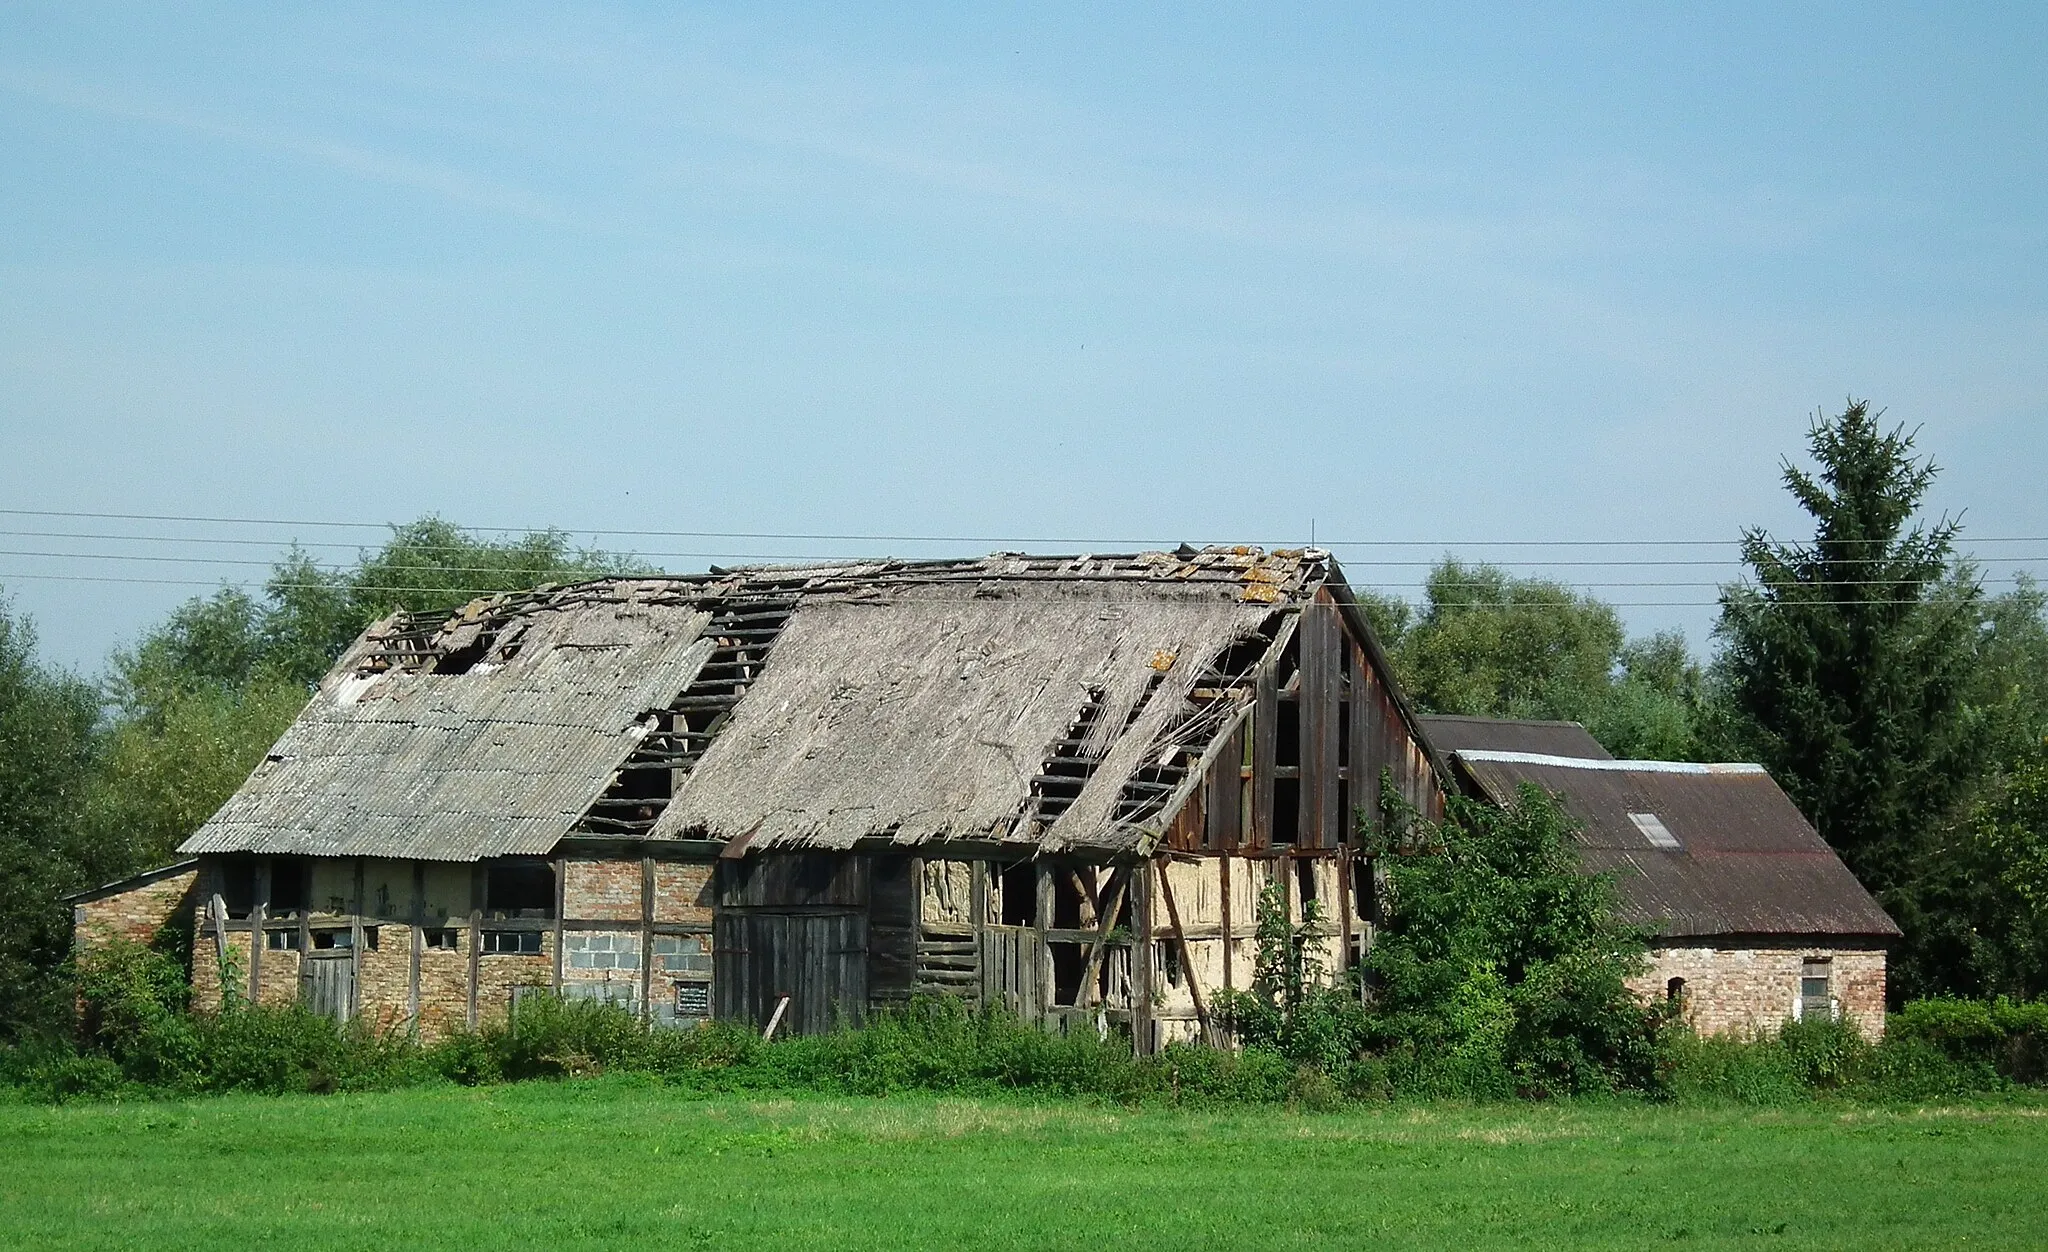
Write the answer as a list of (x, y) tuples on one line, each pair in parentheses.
[(1459, 734), (923, 714), (1747, 863), (501, 759)]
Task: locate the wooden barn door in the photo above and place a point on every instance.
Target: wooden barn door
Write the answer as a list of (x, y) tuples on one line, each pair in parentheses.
[(327, 984), (818, 960)]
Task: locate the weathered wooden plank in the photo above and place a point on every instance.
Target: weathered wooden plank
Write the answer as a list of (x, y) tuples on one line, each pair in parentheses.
[(1321, 677), (1223, 873), (1265, 723), (1225, 783), (1141, 961)]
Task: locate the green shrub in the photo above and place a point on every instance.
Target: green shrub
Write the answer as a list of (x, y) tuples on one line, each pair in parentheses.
[(2008, 1037)]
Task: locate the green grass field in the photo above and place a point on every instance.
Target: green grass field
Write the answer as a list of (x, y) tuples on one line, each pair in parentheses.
[(621, 1164)]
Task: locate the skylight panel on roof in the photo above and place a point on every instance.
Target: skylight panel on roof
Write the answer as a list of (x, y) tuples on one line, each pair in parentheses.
[(1654, 830)]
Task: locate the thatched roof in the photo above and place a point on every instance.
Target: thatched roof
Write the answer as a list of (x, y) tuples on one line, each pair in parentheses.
[(1040, 702)]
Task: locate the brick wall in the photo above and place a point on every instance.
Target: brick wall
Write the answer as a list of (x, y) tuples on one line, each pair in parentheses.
[(136, 914), (1754, 990), (682, 893), (602, 890)]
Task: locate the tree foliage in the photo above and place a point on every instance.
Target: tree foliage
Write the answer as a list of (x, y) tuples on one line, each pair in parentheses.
[(1486, 643), (98, 783), (47, 718), (1848, 660)]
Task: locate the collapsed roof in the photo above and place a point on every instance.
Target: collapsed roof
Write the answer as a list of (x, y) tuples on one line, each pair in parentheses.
[(1697, 851), (1048, 703)]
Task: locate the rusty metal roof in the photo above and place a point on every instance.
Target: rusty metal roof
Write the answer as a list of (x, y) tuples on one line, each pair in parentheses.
[(1747, 862), (1448, 733)]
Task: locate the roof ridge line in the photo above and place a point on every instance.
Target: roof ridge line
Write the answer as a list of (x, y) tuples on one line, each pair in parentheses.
[(1634, 767)]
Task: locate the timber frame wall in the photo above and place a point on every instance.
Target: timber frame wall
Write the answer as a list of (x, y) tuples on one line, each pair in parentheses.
[(680, 931)]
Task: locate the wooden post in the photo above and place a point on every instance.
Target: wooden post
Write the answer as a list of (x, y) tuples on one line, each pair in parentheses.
[(1223, 871), (1141, 961), (646, 938), (419, 939), (477, 883), (1106, 909), (257, 912), (1265, 719), (977, 904), (355, 944), (1344, 906), (1321, 675), (561, 907), (1180, 940), (1041, 956)]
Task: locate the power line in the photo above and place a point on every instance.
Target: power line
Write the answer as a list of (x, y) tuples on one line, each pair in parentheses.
[(1366, 563), (974, 539), (584, 573), (492, 591)]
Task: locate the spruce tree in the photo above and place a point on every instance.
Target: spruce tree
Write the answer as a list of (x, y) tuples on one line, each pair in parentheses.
[(1847, 660)]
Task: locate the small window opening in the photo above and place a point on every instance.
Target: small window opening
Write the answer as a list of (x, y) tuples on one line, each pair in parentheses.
[(1069, 963), (443, 940), (1654, 830), (1020, 894), (281, 940), (326, 939), (1304, 883), (1287, 734), (1286, 810), (1344, 733), (289, 877), (1365, 889), (1169, 963), (1674, 992), (512, 942), (238, 886), (1816, 998), (520, 889)]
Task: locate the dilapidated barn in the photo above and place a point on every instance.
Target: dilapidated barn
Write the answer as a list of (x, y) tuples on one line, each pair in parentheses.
[(1756, 920), (1056, 783)]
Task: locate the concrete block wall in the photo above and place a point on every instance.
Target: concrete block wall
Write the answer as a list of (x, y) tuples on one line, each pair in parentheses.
[(1755, 990)]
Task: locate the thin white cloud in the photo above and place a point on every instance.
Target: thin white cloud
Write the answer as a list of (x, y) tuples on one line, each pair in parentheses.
[(368, 164)]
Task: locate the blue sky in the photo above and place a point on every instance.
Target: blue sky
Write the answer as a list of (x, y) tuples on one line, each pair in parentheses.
[(1509, 273)]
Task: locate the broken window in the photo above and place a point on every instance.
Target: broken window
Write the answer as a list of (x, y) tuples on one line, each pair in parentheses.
[(1169, 964), (1286, 810), (1069, 966), (693, 999), (1305, 883), (1674, 992), (1019, 888), (281, 940), (520, 889), (512, 942), (289, 882), (324, 939), (1816, 998), (238, 885), (444, 939)]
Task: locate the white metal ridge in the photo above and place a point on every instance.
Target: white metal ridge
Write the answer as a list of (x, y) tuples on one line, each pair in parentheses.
[(1630, 767)]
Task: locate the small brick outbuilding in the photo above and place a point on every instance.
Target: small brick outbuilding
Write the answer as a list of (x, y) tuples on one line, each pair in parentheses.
[(1757, 921)]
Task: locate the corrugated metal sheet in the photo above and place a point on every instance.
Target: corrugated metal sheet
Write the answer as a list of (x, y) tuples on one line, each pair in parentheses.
[(501, 759), (1448, 733), (1748, 863)]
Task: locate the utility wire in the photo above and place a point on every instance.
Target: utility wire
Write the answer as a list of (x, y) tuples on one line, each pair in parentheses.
[(981, 539), (1365, 563)]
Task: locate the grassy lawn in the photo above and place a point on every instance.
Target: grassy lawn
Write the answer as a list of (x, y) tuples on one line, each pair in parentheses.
[(622, 1164)]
